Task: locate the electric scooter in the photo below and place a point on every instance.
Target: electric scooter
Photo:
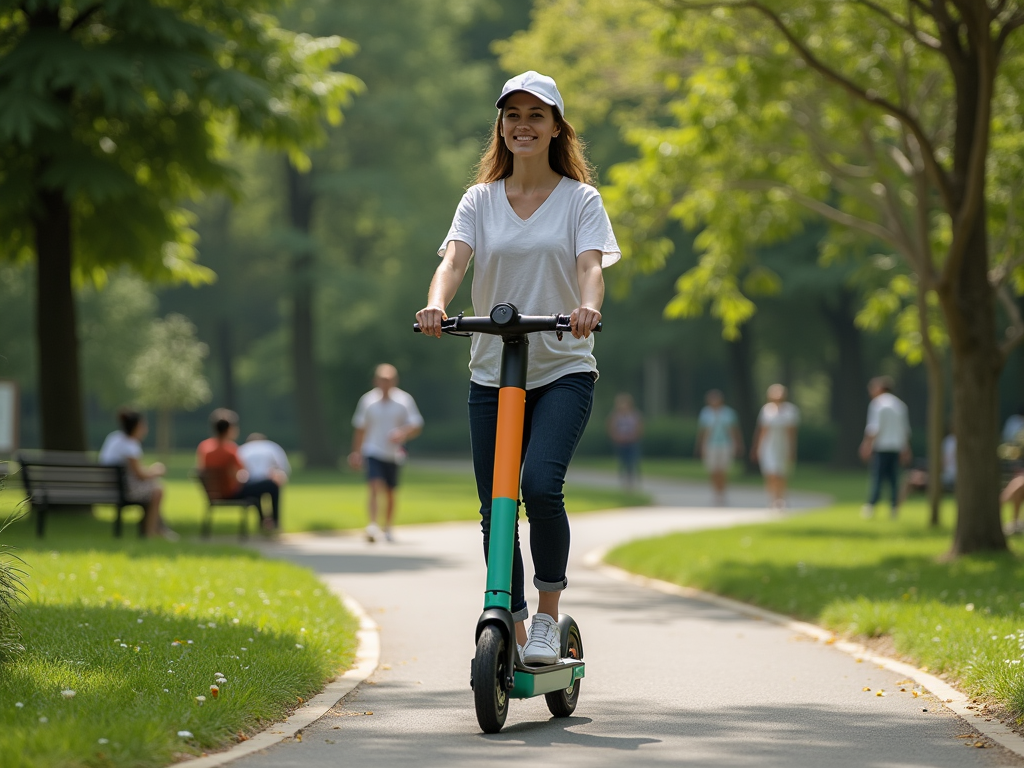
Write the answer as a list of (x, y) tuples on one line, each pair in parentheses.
[(498, 673)]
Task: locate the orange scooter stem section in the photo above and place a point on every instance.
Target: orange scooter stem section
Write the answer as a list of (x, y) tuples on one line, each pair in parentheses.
[(508, 446)]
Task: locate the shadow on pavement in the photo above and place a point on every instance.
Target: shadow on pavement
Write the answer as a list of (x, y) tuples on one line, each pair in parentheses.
[(369, 563)]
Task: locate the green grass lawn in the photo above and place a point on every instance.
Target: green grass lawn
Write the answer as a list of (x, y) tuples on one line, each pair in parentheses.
[(325, 500), (866, 578)]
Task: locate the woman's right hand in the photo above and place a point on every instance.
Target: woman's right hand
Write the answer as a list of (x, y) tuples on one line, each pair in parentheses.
[(430, 319)]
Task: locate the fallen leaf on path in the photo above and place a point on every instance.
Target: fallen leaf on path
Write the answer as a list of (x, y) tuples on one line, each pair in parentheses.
[(865, 688)]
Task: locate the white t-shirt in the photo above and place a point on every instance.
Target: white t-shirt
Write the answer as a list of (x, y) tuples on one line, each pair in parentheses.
[(118, 448), (776, 421), (379, 417), (532, 264), (262, 456), (888, 423)]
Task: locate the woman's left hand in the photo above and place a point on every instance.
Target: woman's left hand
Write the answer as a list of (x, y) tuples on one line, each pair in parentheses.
[(583, 320)]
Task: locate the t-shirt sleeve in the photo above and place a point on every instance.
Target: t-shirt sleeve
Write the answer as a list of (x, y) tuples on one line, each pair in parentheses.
[(359, 417), (282, 458), (871, 429), (464, 224), (594, 232), (413, 413)]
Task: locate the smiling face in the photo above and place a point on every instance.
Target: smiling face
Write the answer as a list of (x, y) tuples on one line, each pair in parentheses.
[(527, 125)]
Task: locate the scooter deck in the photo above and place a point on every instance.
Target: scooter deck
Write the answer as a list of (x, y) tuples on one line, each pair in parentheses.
[(533, 681)]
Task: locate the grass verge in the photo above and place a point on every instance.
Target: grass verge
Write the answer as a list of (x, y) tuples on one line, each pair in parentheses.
[(867, 578), (323, 500), (121, 639)]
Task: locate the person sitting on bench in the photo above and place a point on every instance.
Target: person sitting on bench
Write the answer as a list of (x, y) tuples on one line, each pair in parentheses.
[(123, 447), (226, 476)]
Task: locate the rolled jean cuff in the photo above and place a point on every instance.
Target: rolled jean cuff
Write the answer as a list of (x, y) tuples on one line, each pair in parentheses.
[(550, 586), (521, 615)]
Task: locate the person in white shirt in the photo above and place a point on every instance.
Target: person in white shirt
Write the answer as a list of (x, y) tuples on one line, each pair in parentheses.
[(774, 443), (1013, 429), (123, 447), (264, 459), (386, 418), (886, 442)]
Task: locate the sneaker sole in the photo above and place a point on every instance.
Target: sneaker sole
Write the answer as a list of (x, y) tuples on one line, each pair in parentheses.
[(544, 661)]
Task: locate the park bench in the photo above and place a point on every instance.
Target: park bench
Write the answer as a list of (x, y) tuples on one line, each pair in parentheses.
[(215, 501), (68, 478)]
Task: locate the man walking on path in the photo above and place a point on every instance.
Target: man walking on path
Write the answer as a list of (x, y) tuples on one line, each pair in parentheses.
[(718, 440), (886, 442), (385, 419)]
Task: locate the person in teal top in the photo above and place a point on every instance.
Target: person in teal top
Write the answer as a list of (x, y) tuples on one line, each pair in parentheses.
[(718, 440)]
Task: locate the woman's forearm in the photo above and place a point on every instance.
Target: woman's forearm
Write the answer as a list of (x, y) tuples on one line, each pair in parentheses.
[(591, 280)]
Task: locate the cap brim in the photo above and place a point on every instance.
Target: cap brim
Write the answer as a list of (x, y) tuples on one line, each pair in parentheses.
[(540, 96)]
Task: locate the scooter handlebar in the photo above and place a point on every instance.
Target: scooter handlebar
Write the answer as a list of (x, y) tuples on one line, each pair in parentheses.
[(519, 325)]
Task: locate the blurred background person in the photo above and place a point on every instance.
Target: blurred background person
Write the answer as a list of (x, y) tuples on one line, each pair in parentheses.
[(123, 447), (386, 418), (718, 440), (225, 475), (266, 460), (774, 443), (1014, 426), (886, 442), (625, 428)]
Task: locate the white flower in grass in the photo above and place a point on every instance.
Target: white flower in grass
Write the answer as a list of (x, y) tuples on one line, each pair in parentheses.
[(44, 720), (185, 734), (200, 700), (299, 645), (102, 741), (67, 693), (19, 704)]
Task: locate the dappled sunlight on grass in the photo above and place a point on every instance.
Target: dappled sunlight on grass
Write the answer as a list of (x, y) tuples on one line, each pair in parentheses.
[(119, 645), (866, 578)]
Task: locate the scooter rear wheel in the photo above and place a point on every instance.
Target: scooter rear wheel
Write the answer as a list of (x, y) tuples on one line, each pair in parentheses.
[(563, 703), (489, 675)]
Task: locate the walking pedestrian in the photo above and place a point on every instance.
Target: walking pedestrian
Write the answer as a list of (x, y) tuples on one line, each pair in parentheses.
[(774, 443), (625, 428), (386, 418), (718, 440), (886, 442), (539, 236)]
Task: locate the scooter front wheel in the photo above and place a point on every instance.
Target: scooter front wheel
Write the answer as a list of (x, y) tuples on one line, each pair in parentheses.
[(489, 675), (562, 703)]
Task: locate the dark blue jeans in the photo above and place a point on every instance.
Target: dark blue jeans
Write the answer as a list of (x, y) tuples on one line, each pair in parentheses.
[(556, 415), (885, 468)]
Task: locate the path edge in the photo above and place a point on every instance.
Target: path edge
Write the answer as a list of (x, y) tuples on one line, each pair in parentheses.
[(948, 696), (364, 664)]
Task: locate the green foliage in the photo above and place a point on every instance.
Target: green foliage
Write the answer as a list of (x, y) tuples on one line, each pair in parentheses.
[(168, 374), (126, 107)]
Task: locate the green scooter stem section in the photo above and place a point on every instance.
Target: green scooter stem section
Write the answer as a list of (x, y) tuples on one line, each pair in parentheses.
[(499, 554)]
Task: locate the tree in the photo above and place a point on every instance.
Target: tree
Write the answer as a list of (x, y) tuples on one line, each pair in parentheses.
[(894, 121), (168, 375), (115, 113)]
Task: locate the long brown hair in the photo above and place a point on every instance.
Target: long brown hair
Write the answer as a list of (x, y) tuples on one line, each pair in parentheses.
[(565, 155)]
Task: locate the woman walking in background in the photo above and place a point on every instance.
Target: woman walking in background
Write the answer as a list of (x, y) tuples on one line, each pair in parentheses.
[(774, 445), (718, 440), (625, 428)]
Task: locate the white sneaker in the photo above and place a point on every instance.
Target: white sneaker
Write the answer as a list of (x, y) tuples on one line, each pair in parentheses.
[(544, 645), (388, 536), (372, 532), (867, 511)]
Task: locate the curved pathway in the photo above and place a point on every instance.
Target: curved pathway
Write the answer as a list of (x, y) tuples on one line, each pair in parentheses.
[(670, 681)]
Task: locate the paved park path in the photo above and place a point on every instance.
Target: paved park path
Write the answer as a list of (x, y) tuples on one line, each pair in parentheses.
[(670, 681)]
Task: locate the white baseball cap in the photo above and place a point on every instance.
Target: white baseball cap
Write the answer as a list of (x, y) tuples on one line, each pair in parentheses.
[(541, 86)]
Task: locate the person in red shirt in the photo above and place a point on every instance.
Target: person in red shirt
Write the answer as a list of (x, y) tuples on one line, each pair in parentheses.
[(225, 473)]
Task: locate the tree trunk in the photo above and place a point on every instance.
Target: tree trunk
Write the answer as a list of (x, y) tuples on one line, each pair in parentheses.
[(225, 361), (849, 384), (976, 362), (164, 432), (60, 394), (312, 435), (741, 373), (936, 432)]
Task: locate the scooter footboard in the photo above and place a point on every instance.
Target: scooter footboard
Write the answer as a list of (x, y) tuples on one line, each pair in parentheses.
[(533, 681)]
